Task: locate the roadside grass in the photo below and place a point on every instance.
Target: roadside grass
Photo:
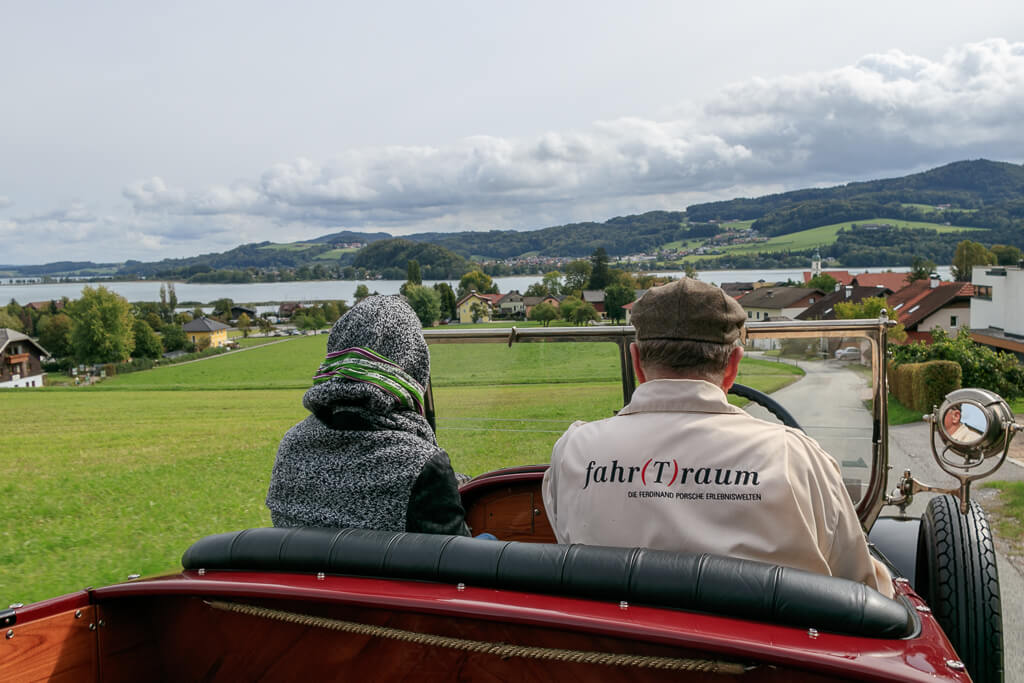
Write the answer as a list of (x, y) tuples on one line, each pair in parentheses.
[(899, 414), (98, 484), (826, 234), (1008, 516), (1017, 405)]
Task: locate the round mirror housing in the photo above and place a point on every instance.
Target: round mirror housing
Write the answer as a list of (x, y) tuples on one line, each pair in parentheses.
[(973, 423)]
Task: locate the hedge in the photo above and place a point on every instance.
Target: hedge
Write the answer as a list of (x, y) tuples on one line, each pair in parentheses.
[(922, 386)]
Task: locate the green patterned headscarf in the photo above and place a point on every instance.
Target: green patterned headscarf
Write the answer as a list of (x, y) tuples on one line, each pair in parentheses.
[(365, 365)]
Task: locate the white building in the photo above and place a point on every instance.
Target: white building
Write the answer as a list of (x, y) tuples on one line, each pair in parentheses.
[(997, 309)]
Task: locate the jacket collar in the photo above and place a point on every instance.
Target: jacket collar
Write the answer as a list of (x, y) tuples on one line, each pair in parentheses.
[(679, 396)]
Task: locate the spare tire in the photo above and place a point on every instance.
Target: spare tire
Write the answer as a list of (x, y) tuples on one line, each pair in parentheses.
[(957, 576)]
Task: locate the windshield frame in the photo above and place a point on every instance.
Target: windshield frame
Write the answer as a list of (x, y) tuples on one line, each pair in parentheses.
[(875, 330)]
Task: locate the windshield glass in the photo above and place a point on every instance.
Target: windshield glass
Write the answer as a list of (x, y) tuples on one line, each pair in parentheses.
[(499, 405)]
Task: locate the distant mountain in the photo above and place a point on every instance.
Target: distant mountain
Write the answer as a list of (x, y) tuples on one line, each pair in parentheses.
[(980, 193), (961, 184)]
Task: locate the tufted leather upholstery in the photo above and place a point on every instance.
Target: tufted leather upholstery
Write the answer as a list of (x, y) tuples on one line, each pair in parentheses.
[(704, 583)]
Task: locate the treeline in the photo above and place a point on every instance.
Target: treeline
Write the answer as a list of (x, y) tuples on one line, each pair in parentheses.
[(618, 236)]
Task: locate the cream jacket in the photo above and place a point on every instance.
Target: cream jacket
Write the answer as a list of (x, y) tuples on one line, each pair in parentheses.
[(679, 468)]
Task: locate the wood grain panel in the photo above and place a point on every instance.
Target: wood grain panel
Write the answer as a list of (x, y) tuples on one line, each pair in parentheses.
[(57, 648), (512, 512), (199, 643)]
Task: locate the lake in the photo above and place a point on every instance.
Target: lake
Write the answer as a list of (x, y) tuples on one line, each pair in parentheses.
[(321, 290)]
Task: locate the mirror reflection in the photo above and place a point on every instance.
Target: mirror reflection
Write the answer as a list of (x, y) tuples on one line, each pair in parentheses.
[(964, 423)]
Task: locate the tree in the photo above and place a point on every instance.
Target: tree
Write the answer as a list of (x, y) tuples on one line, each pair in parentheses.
[(477, 281), (584, 313), (222, 309), (425, 302), (412, 273), (615, 297), (544, 313), (266, 327), (536, 289), (871, 307), (55, 334), (243, 323), (447, 294), (362, 291), (147, 344), (101, 330), (577, 274), (690, 270), (552, 282), (11, 321), (173, 338), (1006, 255), (969, 254), (822, 281), (599, 275), (567, 306), (478, 311), (920, 269)]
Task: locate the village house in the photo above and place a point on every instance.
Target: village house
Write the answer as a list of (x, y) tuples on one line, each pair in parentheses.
[(531, 302), (21, 360), (46, 306), (464, 307), (997, 314), (206, 328), (925, 305), (595, 297), (237, 311), (778, 303), (824, 308), (287, 309), (511, 305), (891, 281)]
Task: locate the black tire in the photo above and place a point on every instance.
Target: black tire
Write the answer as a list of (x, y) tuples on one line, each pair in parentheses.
[(957, 576)]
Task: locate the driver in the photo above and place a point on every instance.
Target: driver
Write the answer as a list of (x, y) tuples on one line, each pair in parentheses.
[(680, 468), (957, 430)]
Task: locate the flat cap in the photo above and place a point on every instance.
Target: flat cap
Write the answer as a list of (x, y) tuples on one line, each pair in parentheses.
[(688, 310)]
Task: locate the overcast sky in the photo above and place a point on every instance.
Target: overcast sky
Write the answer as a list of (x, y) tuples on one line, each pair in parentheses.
[(131, 130)]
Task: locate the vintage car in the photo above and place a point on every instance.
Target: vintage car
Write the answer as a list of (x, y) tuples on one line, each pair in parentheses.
[(349, 604)]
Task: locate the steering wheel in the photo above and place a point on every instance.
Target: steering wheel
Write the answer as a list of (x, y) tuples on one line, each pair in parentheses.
[(768, 403)]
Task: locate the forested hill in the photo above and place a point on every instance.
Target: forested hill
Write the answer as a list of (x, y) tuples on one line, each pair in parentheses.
[(972, 194), (619, 236), (978, 193)]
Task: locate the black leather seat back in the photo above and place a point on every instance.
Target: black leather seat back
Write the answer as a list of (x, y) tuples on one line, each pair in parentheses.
[(705, 583)]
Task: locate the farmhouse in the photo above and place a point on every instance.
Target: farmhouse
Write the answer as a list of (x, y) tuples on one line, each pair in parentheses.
[(531, 301), (512, 305), (824, 308), (464, 307), (20, 360), (778, 303), (925, 305), (206, 328)]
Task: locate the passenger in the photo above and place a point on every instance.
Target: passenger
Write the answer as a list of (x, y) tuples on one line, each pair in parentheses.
[(366, 457), (679, 468)]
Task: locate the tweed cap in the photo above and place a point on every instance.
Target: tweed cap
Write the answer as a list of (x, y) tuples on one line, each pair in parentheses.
[(688, 310)]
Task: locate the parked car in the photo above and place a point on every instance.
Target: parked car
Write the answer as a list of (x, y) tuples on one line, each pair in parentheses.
[(848, 353)]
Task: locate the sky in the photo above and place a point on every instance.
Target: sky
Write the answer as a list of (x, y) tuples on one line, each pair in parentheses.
[(138, 130)]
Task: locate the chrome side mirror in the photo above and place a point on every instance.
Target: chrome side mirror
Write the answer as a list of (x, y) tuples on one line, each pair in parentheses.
[(975, 427)]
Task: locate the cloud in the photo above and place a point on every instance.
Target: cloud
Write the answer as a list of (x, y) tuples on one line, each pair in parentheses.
[(887, 113), (5, 201)]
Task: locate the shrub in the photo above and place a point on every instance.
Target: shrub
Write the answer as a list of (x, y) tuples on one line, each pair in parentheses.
[(980, 365), (921, 386)]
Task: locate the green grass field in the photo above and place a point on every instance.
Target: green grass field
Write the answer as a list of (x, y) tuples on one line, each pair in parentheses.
[(826, 234), (100, 483), (334, 253)]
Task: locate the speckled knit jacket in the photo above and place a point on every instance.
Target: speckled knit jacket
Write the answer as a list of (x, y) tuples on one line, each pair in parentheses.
[(359, 460)]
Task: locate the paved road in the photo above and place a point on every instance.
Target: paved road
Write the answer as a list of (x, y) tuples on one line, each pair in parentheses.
[(828, 402)]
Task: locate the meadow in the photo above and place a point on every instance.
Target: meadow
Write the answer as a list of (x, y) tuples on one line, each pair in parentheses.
[(826, 234), (104, 482)]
